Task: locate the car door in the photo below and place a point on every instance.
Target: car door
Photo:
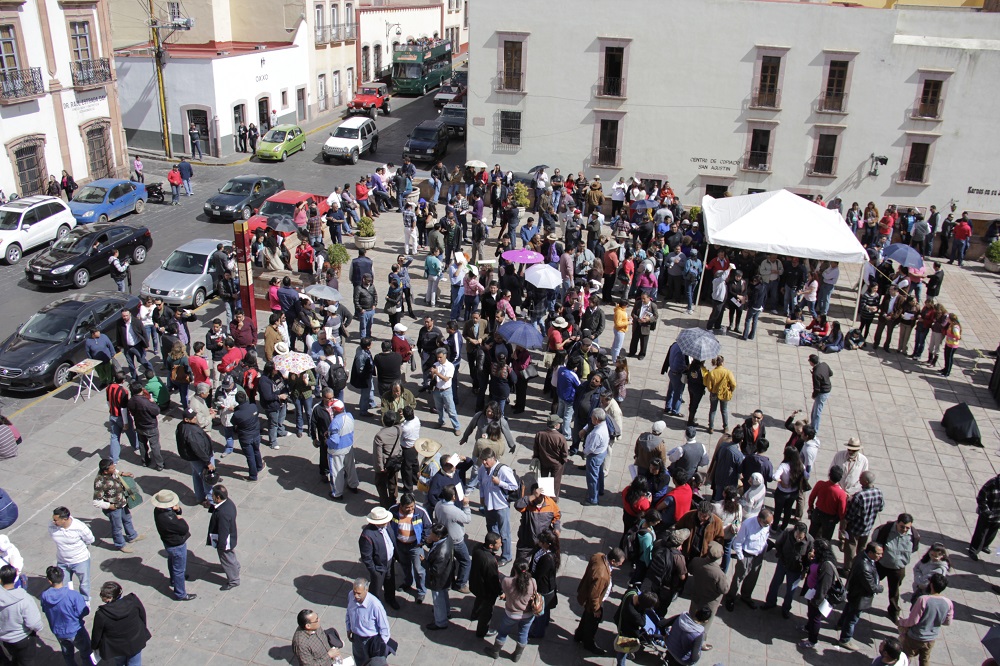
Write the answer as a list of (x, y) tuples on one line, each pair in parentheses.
[(106, 316), (300, 139), (97, 260), (259, 191), (124, 239), (366, 136), (75, 343), (32, 229), (122, 195)]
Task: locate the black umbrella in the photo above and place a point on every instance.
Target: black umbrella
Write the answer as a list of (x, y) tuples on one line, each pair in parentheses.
[(539, 167), (282, 224)]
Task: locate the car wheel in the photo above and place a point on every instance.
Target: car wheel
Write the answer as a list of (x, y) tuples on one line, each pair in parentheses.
[(284, 156), (81, 278), (13, 254), (61, 375), (372, 112), (63, 230), (386, 110), (246, 212), (354, 156), (103, 219), (140, 206), (199, 298), (139, 254), (326, 158), (374, 146)]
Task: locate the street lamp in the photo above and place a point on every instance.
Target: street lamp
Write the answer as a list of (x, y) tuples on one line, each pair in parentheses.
[(388, 29)]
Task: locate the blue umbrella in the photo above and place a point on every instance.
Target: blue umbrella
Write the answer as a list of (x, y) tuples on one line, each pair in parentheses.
[(904, 255), (522, 334), (647, 204), (699, 343)]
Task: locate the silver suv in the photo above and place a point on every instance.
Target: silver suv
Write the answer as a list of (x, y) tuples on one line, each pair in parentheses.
[(351, 139)]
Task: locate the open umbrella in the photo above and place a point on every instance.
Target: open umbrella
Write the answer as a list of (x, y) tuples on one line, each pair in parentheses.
[(522, 334), (296, 362), (476, 164), (646, 204), (699, 343), (904, 255), (539, 167), (323, 292), (543, 276), (282, 224), (523, 256)]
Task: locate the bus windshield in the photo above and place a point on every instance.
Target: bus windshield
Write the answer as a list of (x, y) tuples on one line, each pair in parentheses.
[(401, 70)]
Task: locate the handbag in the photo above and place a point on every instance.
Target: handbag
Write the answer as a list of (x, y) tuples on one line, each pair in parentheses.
[(298, 328), (531, 371), (626, 644), (394, 462), (133, 496), (537, 604)]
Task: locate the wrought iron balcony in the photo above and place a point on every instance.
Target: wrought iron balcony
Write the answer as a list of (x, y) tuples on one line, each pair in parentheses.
[(757, 160), (509, 81), (765, 99), (929, 109), (833, 102), (915, 172), (350, 31), (611, 86), (607, 156), (91, 73), (322, 34), (19, 84), (823, 165)]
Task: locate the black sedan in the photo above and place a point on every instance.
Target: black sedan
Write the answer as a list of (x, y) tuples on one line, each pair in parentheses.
[(84, 253), (45, 347), (240, 197)]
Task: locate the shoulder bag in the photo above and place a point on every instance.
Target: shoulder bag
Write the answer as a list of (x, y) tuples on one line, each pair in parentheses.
[(394, 462)]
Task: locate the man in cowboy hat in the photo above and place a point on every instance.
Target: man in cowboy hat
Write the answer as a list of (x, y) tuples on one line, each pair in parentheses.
[(174, 533), (854, 463), (378, 546)]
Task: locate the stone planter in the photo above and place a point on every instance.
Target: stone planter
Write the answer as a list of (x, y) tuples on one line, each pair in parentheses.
[(991, 266), (364, 242)]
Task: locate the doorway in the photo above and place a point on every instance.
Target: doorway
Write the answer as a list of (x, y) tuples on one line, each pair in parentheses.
[(239, 117), (199, 118), (716, 191), (98, 152), (300, 104), (350, 84), (263, 113)]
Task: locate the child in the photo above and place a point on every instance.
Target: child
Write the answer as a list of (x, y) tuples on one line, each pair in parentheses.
[(935, 560), (619, 380)]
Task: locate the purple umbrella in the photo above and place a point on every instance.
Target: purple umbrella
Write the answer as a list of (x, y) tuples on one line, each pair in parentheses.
[(523, 256)]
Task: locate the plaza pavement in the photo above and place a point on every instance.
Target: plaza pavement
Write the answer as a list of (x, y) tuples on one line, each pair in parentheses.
[(299, 550)]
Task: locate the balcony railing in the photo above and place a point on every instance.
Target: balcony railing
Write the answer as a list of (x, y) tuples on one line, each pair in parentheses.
[(930, 109), (765, 99), (349, 31), (757, 160), (833, 102), (611, 86), (607, 156), (823, 165), (510, 81), (322, 34), (915, 172), (18, 84), (88, 73)]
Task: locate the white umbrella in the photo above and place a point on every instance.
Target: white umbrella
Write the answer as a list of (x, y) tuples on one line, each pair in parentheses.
[(543, 276), (476, 164), (323, 292)]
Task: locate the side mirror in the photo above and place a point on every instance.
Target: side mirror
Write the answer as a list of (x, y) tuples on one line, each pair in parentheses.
[(163, 261), (25, 227)]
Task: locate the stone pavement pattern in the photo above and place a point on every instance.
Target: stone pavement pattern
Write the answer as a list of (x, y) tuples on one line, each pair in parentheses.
[(299, 550)]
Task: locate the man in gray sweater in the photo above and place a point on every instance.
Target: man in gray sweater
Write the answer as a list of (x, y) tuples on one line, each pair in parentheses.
[(455, 515), (20, 619)]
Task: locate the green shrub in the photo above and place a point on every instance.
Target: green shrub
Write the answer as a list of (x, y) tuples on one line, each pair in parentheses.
[(337, 255), (521, 198), (366, 227), (993, 252)]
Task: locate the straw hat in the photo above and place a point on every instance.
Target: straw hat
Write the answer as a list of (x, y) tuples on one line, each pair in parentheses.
[(426, 447), (280, 348), (165, 499), (379, 516), (854, 444)]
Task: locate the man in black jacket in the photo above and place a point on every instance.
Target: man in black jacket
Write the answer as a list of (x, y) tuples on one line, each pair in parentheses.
[(174, 533), (593, 318), (821, 374), (428, 339), (862, 586), (793, 547), (144, 411), (195, 446), (439, 565), (388, 367), (178, 328), (484, 582), (274, 403), (229, 291), (377, 547), (132, 340), (247, 425), (222, 535)]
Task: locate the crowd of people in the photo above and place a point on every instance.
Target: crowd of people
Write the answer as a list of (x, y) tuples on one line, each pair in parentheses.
[(697, 519)]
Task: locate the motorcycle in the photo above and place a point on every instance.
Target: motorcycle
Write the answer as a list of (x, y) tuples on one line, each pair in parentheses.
[(155, 192)]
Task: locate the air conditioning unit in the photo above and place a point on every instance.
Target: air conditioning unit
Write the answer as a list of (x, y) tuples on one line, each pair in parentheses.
[(260, 47)]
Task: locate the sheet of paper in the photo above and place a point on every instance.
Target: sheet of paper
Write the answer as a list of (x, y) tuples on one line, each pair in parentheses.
[(810, 594), (547, 484), (459, 493), (825, 608)]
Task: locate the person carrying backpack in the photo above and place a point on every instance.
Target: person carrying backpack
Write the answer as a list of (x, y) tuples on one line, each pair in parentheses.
[(667, 568), (823, 582)]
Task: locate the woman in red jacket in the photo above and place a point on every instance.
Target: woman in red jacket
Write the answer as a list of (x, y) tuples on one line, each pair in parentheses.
[(361, 196), (175, 180)]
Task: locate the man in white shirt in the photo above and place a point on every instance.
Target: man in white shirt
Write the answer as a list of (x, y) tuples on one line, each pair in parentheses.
[(443, 374), (854, 463), (72, 555), (826, 285), (749, 547), (595, 450), (495, 481)]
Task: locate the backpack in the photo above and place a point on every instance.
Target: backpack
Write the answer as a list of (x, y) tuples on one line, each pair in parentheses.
[(338, 378), (518, 491), (630, 542), (179, 374)]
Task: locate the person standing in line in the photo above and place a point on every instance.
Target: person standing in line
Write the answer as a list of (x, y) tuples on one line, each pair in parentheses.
[(386, 444), (821, 374), (20, 621), (862, 586), (552, 451), (827, 505), (749, 548), (222, 535), (952, 338), (495, 481), (443, 373), (899, 540), (195, 446), (72, 537), (120, 633), (792, 548), (367, 625), (174, 533), (195, 136), (720, 384), (339, 444), (110, 496), (65, 609), (377, 546), (144, 411), (644, 319), (594, 589), (988, 521), (853, 463), (187, 173), (119, 420), (710, 584), (520, 598), (595, 451), (455, 515), (410, 524), (923, 626), (862, 512), (484, 582), (822, 574), (246, 422), (439, 563)]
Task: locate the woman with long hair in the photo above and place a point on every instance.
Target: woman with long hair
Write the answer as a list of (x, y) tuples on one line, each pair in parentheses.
[(544, 563), (519, 590), (730, 511), (636, 500), (938, 326), (720, 383), (821, 577), (952, 337), (790, 474)]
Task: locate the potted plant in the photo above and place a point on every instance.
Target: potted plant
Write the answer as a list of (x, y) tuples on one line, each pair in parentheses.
[(337, 255), (364, 235), (992, 260), (521, 197)]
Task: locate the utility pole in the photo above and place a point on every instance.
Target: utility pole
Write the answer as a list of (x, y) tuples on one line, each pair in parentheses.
[(158, 52)]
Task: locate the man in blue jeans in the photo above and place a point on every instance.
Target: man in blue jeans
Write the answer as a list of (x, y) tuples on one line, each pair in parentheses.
[(72, 538), (595, 450), (273, 401), (110, 497), (410, 523), (792, 547), (862, 586), (118, 416), (174, 533), (821, 374), (65, 609), (675, 365), (495, 481), (247, 426), (195, 446), (443, 374)]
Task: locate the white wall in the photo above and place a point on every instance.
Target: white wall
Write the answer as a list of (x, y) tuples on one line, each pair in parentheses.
[(689, 79)]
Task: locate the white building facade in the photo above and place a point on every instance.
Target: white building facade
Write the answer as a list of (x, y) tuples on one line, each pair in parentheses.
[(381, 28), (743, 96), (58, 99)]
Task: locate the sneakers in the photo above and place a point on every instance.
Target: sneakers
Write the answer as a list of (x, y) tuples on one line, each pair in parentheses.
[(806, 644), (126, 549)]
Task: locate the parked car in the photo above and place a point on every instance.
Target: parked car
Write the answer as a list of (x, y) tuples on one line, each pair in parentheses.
[(280, 142), (427, 141), (106, 199), (370, 98), (84, 253), (185, 277), (240, 197), (460, 76), (30, 222), (351, 139), (44, 348), (454, 117), (449, 94), (283, 204)]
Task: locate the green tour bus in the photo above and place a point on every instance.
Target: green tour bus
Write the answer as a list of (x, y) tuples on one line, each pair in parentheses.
[(419, 66)]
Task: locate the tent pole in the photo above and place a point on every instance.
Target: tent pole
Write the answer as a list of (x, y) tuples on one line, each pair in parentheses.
[(701, 280), (857, 301)]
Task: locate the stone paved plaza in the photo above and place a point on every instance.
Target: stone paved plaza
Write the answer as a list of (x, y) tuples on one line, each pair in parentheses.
[(299, 550)]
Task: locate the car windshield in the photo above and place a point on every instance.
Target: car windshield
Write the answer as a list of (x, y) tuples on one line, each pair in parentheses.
[(370, 91), (403, 71), (275, 136), (236, 187), (346, 133), (9, 220), (71, 244), (277, 208), (188, 263), (448, 90), (453, 113), (90, 195), (52, 326), (424, 134)]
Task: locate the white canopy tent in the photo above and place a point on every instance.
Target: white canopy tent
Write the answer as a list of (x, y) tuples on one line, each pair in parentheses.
[(782, 223)]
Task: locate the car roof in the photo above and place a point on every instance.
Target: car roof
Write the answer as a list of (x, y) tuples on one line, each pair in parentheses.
[(248, 178), (77, 302), (355, 123), (430, 124), (291, 196), (456, 107), (374, 84), (202, 245), (106, 182), (285, 127), (24, 203), (99, 227)]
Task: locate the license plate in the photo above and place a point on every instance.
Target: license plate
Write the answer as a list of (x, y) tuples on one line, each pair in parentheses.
[(36, 277), (216, 212)]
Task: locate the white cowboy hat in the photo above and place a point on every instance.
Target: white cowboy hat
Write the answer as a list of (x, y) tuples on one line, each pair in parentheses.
[(165, 499), (280, 348), (426, 447), (379, 516)]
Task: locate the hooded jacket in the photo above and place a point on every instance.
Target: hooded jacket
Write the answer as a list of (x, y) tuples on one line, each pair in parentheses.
[(120, 628), (685, 640), (19, 615)]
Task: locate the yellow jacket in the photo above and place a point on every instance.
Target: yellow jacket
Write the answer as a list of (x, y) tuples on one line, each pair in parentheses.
[(721, 382), (621, 318)]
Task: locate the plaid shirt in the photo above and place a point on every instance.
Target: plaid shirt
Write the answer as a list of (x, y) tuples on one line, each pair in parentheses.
[(988, 500), (862, 511), (314, 225)]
